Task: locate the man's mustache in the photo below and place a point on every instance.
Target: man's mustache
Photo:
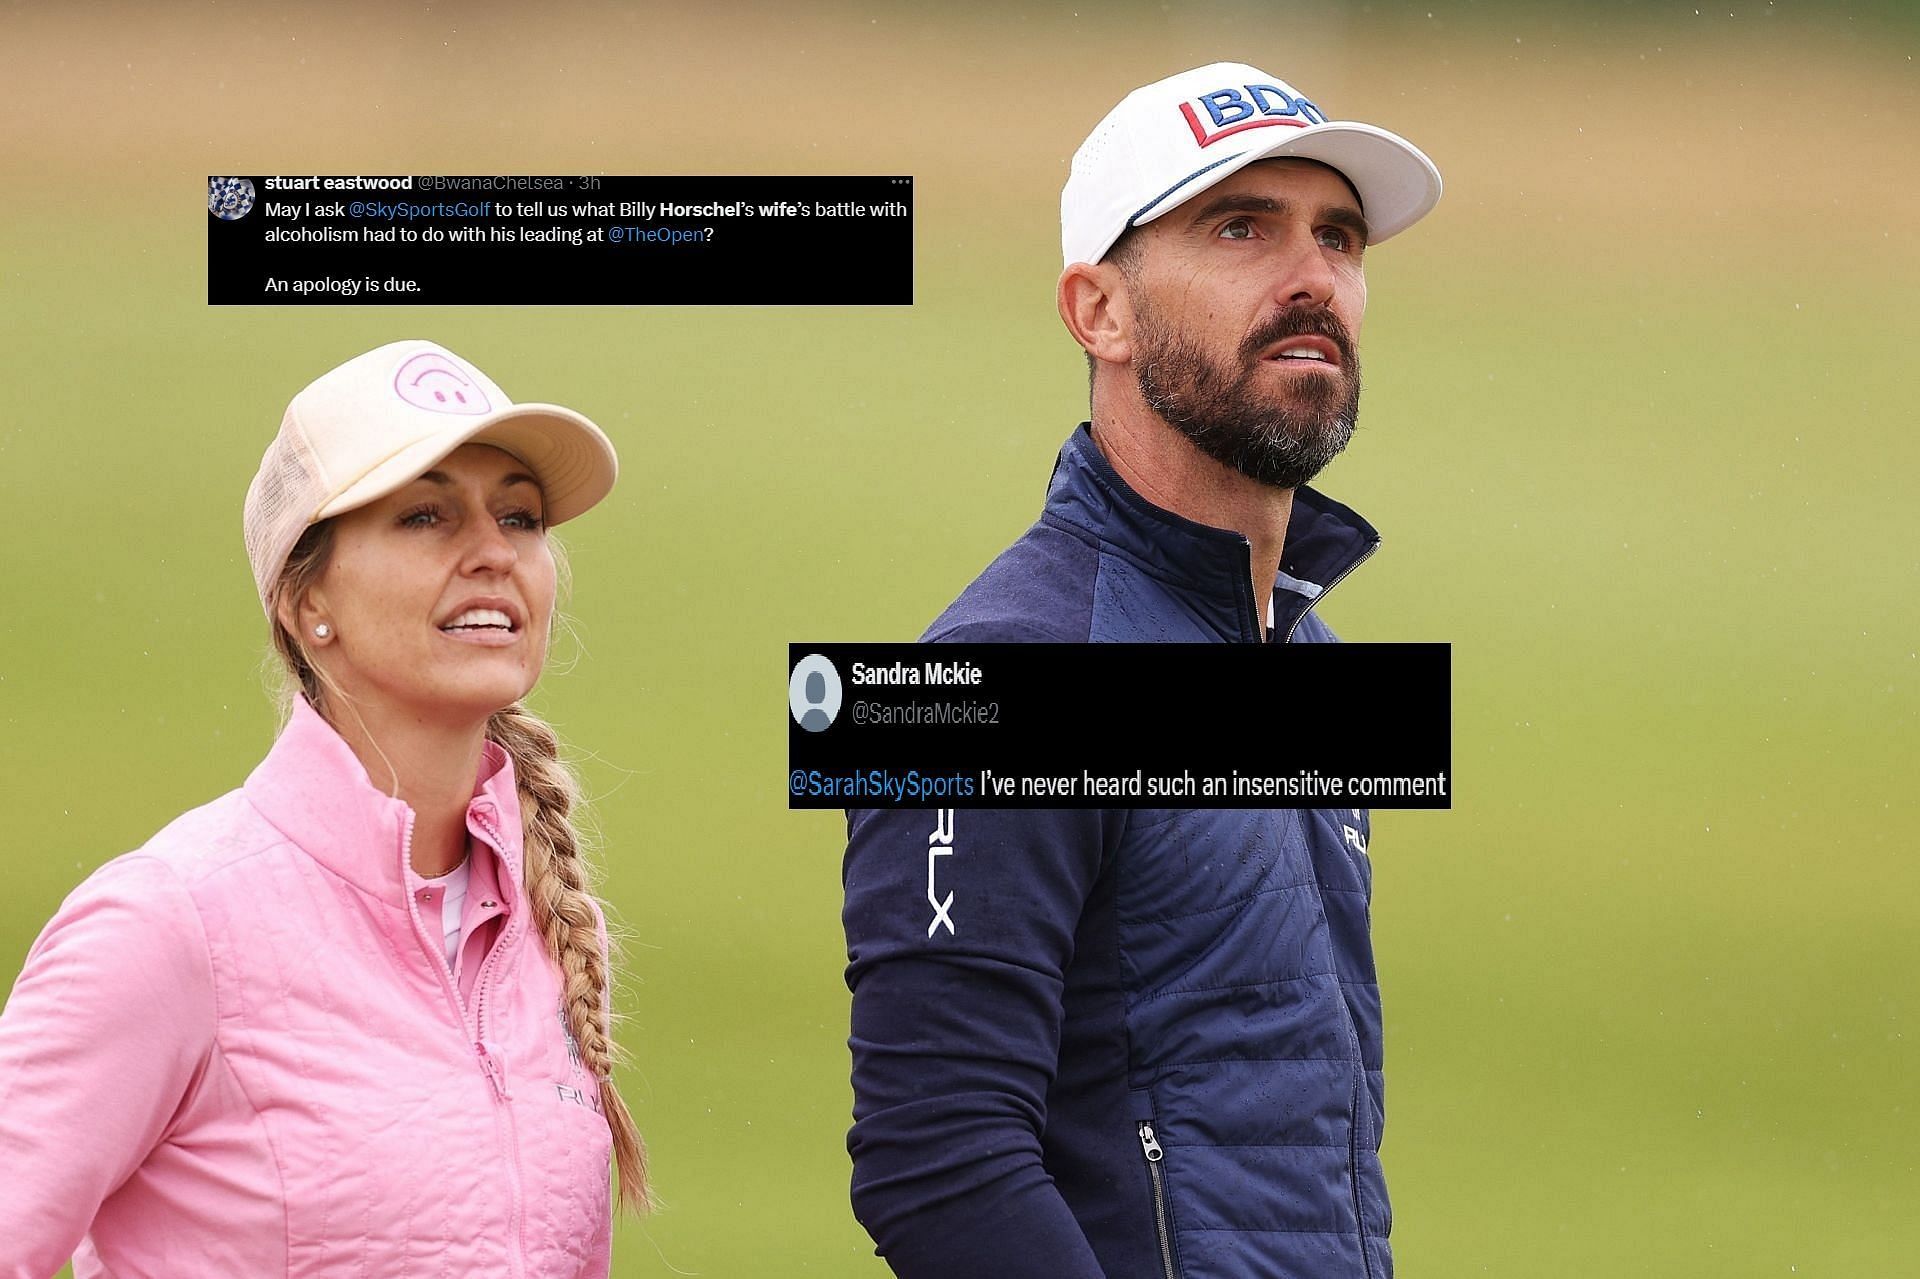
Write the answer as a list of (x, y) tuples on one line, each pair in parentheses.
[(1297, 322)]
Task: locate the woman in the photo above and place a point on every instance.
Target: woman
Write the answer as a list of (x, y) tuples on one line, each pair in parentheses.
[(351, 1018)]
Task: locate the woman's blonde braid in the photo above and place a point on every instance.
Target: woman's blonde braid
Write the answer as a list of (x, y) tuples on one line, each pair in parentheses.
[(569, 919)]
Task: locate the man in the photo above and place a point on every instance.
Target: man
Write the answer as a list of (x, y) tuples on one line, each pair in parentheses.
[(1147, 1043)]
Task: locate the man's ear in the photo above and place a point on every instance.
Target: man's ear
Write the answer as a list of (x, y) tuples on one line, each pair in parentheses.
[(1094, 306)]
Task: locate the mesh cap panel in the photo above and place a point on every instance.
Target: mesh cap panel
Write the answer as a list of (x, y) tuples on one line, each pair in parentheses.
[(281, 502)]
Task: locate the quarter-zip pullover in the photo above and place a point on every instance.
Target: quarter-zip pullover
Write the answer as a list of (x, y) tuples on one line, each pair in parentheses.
[(239, 1050)]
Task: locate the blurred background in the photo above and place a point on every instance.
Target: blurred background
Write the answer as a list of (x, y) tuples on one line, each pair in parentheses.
[(1636, 431)]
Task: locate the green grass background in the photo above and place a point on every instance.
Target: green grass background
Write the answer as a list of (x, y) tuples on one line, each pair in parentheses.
[(1638, 431)]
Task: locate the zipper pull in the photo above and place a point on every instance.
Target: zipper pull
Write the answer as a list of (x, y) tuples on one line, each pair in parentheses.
[(1151, 1144), (496, 1074)]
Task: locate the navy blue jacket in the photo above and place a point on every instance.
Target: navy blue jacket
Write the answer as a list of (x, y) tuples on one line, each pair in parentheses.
[(1150, 1046)]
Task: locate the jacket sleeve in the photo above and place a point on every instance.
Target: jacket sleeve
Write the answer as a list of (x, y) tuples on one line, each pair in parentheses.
[(102, 1040), (956, 1034)]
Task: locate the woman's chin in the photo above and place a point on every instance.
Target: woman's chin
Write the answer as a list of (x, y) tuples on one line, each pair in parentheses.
[(468, 700)]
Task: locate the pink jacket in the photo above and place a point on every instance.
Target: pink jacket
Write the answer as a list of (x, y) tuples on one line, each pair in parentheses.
[(239, 1051)]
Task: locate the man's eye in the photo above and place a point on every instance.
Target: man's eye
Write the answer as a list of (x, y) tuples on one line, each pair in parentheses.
[(1238, 229), (1334, 238)]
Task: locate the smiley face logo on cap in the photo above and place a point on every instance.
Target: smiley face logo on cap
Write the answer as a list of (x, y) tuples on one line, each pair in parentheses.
[(431, 381)]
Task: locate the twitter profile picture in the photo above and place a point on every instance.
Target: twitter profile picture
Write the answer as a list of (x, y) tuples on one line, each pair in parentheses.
[(229, 198), (813, 692)]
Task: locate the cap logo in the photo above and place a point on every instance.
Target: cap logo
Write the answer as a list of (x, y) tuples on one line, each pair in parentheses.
[(1251, 106), (433, 382)]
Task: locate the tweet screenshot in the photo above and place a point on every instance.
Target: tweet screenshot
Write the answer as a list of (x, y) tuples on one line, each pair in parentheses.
[(1119, 726), (295, 240)]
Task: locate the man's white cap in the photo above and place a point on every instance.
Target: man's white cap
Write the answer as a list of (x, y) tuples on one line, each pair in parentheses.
[(381, 420), (1172, 139)]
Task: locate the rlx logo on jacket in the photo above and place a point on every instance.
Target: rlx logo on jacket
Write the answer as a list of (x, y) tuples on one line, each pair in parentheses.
[(940, 844)]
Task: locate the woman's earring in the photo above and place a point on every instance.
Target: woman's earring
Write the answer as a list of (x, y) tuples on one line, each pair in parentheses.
[(322, 631)]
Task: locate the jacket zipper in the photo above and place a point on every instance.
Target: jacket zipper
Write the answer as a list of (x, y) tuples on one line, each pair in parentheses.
[(1353, 1174), (420, 928), (1150, 1146), (481, 987), (1354, 1102), (490, 1064), (1365, 556)]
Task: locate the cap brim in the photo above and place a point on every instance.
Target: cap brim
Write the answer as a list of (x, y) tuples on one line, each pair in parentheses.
[(570, 457), (1397, 184)]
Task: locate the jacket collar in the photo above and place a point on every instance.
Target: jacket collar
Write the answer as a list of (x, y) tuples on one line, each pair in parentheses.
[(1210, 566), (314, 790)]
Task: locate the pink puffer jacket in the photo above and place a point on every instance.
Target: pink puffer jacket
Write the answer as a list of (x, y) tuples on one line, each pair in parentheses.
[(239, 1051)]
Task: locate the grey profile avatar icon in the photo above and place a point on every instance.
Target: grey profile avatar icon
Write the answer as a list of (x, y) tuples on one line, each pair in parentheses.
[(229, 198), (813, 692)]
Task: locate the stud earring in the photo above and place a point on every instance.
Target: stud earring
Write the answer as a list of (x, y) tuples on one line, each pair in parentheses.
[(322, 631)]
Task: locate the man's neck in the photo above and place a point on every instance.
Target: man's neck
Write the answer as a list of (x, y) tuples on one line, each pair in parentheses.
[(428, 765), (1166, 468)]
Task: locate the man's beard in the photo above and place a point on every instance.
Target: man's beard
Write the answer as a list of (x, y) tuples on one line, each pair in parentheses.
[(1279, 437)]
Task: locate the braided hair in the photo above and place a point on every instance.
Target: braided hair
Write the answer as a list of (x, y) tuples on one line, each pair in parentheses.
[(570, 918)]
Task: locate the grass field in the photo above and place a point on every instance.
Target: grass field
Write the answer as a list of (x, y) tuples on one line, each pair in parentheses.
[(1638, 433)]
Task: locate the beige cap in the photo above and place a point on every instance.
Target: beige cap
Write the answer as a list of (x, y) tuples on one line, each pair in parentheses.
[(382, 419)]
